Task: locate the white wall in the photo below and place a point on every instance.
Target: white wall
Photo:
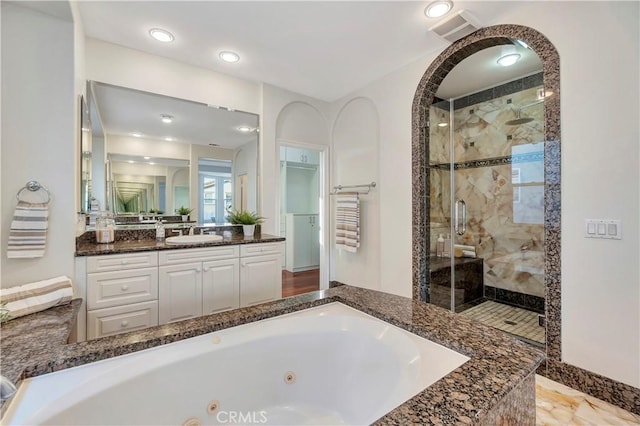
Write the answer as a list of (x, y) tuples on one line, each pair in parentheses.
[(600, 178), (355, 159), (280, 112), (245, 163), (109, 63), (39, 134), (129, 145)]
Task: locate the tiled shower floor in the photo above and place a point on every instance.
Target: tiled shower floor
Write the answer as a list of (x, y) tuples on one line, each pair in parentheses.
[(508, 318)]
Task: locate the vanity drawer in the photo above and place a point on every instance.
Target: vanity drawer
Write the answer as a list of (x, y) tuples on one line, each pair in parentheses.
[(260, 249), (110, 321), (181, 256), (117, 262), (108, 289)]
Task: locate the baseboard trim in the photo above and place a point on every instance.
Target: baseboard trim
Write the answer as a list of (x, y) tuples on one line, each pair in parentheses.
[(601, 387)]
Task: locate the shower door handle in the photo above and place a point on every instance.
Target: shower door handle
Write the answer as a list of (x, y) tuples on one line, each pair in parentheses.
[(460, 207)]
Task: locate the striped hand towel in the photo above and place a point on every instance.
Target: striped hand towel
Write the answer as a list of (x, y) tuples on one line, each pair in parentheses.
[(348, 221), (28, 233), (38, 296)]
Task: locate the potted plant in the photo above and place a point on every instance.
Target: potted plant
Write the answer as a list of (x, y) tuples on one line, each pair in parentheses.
[(247, 219), (184, 212)]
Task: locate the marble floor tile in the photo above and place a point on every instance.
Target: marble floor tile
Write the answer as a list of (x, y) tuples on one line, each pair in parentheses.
[(508, 318), (557, 404)]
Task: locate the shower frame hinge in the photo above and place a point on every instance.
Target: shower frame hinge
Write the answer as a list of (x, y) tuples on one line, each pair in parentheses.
[(541, 320)]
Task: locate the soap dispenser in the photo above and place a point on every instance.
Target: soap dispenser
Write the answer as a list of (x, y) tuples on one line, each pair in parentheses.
[(446, 246), (159, 231), (439, 246)]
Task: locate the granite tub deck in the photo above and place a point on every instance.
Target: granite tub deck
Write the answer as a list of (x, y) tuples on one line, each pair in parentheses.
[(497, 385)]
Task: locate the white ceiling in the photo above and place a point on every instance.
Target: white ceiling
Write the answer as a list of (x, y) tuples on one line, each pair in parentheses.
[(321, 49), (123, 111)]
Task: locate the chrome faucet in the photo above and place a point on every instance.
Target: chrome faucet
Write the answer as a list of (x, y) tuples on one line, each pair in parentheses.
[(7, 389), (191, 229)]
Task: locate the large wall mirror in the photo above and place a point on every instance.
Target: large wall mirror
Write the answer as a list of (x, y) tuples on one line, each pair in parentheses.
[(152, 154)]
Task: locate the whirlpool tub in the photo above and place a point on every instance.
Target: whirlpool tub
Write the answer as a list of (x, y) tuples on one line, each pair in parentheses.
[(330, 364)]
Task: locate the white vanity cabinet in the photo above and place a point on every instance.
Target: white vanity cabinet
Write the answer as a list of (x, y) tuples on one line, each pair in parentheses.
[(195, 282), (126, 292), (303, 242), (260, 273), (121, 293)]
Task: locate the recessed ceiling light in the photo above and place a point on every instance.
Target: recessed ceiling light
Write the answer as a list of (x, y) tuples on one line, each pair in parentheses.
[(161, 35), (169, 139), (152, 164), (229, 56), (443, 124), (166, 118), (438, 8), (136, 134), (508, 59), (131, 161), (147, 158), (244, 129)]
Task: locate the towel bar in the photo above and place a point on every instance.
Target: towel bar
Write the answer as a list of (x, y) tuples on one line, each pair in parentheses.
[(341, 187), (33, 186)]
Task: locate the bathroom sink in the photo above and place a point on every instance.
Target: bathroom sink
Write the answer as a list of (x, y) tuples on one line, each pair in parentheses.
[(193, 239)]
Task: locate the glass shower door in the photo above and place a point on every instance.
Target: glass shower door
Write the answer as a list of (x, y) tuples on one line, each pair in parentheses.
[(486, 176)]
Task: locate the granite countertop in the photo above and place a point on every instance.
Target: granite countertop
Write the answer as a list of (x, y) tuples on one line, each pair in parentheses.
[(89, 248), (498, 363)]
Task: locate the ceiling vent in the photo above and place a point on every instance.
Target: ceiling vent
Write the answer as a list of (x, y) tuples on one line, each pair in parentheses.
[(454, 28)]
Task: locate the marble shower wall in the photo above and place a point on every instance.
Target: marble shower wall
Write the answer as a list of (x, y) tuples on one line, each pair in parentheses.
[(499, 172)]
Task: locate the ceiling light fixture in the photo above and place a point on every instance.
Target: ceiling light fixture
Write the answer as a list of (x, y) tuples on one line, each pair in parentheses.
[(136, 134), (147, 158), (508, 55), (169, 139), (438, 8), (508, 59), (443, 124), (166, 118), (245, 129), (161, 35), (229, 56)]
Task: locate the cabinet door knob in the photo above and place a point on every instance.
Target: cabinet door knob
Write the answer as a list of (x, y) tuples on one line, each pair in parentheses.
[(124, 323), (124, 287)]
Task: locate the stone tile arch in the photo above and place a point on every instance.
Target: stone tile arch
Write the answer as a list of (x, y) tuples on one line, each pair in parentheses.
[(428, 86)]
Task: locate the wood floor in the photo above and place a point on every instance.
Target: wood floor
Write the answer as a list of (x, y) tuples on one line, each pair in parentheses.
[(294, 283)]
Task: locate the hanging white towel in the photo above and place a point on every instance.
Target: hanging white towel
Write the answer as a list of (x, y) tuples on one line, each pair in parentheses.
[(38, 296), (348, 221), (28, 233)]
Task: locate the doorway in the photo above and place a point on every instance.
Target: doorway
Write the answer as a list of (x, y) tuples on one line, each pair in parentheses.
[(423, 278), (301, 216)]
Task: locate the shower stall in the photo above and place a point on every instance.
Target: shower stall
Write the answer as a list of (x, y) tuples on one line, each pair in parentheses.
[(486, 177)]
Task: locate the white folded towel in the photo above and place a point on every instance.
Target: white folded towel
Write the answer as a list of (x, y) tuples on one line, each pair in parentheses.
[(348, 221), (38, 296), (28, 233)]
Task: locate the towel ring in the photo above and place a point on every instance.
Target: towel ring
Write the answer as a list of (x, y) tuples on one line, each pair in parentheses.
[(34, 186)]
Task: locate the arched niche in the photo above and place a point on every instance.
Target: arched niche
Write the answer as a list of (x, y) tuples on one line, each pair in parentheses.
[(428, 86)]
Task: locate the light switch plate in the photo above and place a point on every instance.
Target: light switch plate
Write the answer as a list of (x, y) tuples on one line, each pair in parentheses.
[(603, 228)]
